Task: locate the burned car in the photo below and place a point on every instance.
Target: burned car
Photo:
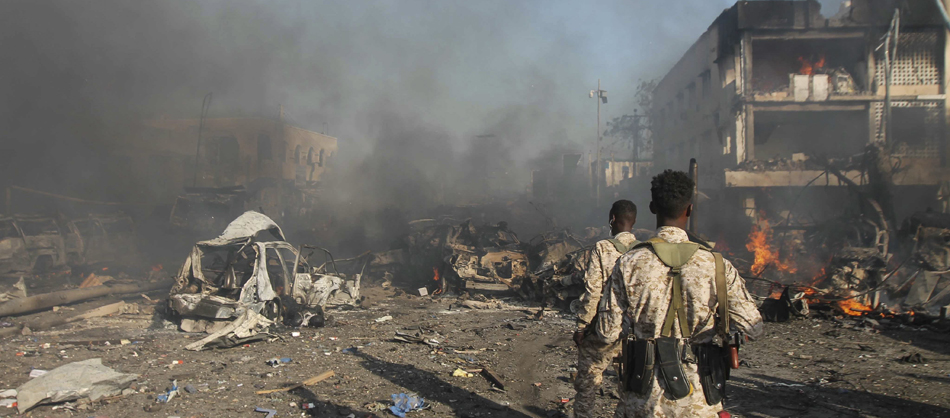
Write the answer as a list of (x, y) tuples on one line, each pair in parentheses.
[(13, 254), (250, 274), (31, 243), (489, 259), (100, 238)]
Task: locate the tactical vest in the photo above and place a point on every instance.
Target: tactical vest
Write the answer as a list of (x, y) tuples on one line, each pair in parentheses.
[(675, 256), (669, 351)]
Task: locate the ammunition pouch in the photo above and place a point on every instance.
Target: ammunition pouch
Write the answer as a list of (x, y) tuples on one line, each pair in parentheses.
[(713, 371), (637, 365), (669, 354)]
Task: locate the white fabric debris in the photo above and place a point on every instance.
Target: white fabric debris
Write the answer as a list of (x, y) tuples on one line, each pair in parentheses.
[(82, 379)]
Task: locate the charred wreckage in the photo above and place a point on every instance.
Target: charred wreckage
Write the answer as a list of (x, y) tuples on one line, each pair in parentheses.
[(236, 285)]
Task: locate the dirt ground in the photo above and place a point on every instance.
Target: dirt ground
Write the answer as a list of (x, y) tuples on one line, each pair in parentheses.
[(806, 367)]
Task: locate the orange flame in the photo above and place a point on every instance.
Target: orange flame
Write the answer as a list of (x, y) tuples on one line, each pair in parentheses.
[(854, 308), (759, 244), (436, 277), (808, 67), (157, 267)]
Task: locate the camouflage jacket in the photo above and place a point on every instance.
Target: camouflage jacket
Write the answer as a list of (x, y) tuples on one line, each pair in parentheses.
[(639, 290), (603, 257)]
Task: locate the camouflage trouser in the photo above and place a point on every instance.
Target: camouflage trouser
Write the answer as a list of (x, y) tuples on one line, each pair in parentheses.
[(592, 359)]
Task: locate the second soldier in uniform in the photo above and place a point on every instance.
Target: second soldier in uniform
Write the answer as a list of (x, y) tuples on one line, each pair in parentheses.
[(593, 357)]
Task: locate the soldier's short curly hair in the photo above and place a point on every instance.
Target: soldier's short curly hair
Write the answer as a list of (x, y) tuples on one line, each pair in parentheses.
[(672, 192), (624, 210)]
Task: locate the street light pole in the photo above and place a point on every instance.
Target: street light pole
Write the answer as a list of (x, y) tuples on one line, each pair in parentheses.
[(601, 96)]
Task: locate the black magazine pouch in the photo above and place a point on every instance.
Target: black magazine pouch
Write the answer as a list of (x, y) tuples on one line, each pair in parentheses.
[(669, 356), (640, 366), (712, 372)]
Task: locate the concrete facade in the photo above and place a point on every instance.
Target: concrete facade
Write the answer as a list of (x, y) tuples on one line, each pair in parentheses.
[(776, 80), (233, 152)]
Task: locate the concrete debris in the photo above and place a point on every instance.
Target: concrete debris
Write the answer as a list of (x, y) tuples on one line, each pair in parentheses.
[(249, 326), (415, 338), (49, 300), (15, 291), (83, 379)]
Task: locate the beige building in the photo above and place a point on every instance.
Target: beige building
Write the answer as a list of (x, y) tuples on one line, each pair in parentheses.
[(773, 88), (160, 162)]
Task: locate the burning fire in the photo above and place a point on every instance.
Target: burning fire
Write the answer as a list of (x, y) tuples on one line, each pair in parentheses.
[(853, 307), (759, 244), (809, 67), (157, 267), (436, 277)]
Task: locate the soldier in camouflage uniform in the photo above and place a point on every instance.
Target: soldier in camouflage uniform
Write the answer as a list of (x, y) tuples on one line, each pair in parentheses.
[(638, 293), (593, 357)]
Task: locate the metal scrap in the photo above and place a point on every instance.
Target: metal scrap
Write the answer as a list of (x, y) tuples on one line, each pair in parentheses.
[(252, 278)]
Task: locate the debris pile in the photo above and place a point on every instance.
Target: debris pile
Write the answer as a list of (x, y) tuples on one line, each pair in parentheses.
[(488, 259), (861, 276), (237, 285)]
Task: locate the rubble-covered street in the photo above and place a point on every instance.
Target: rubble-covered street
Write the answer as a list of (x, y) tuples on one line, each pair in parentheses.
[(398, 208), (811, 367)]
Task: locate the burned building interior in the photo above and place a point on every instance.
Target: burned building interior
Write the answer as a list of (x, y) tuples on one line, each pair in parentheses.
[(368, 209)]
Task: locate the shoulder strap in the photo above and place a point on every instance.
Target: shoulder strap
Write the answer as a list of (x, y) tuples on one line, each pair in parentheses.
[(677, 308), (722, 296), (621, 247), (675, 256)]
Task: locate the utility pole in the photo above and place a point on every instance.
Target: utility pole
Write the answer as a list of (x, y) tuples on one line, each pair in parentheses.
[(636, 137), (601, 96), (205, 105)]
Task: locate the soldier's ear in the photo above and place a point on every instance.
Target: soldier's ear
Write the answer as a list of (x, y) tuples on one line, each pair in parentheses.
[(689, 210), (652, 208)]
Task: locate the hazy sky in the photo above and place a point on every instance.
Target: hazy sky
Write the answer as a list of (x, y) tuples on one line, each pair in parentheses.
[(520, 69)]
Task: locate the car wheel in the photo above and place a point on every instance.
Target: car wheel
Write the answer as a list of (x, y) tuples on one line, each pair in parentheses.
[(43, 264), (272, 310)]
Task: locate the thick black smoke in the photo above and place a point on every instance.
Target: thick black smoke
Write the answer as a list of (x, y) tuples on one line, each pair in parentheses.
[(434, 102)]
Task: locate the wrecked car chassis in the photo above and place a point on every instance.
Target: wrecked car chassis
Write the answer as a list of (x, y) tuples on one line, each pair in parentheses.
[(251, 273)]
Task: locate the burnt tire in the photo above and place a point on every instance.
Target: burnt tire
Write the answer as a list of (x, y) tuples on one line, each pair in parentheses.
[(43, 264), (273, 310)]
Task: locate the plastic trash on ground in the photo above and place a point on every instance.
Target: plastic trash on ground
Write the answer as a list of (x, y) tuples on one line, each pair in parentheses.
[(403, 403)]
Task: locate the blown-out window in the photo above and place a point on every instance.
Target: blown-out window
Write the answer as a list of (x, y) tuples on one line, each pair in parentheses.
[(264, 149)]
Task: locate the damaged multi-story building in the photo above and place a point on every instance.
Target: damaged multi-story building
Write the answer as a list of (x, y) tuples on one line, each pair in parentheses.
[(774, 90), (232, 165)]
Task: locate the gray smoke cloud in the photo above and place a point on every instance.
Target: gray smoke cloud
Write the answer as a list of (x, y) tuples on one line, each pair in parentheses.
[(421, 93)]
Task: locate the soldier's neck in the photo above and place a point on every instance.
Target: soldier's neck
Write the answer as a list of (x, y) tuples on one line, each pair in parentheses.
[(680, 223)]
